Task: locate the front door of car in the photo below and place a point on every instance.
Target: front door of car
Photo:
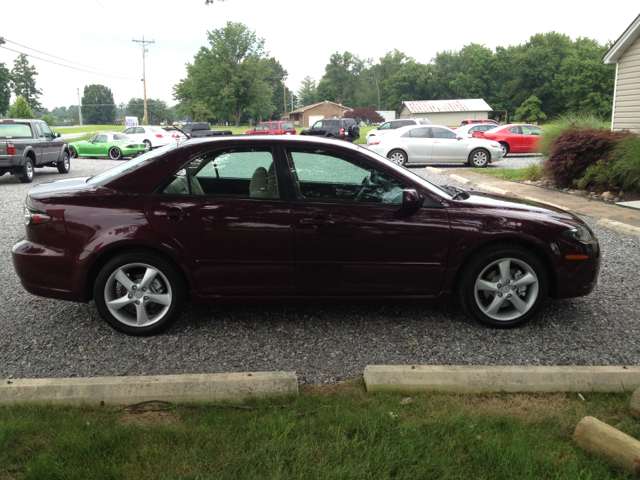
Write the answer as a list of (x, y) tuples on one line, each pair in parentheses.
[(418, 144), (224, 215), (319, 128), (447, 147), (530, 136), (92, 147), (352, 235)]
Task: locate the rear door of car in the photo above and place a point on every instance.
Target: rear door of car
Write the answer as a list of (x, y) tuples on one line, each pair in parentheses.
[(447, 147), (235, 241), (418, 144), (352, 236)]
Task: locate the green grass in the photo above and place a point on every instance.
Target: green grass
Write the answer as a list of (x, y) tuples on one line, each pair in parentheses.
[(334, 433), (531, 172), (89, 128)]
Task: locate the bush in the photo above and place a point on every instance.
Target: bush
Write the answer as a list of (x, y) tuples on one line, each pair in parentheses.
[(533, 172), (562, 123), (574, 150), (626, 166), (368, 116), (597, 176)]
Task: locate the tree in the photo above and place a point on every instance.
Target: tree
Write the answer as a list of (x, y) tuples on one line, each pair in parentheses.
[(157, 110), (227, 78), (339, 82), (307, 93), (49, 118), (5, 86), (365, 115), (530, 112), (98, 106), (20, 109), (23, 81)]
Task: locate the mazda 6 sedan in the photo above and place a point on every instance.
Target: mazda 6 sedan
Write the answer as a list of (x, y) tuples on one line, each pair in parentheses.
[(264, 219)]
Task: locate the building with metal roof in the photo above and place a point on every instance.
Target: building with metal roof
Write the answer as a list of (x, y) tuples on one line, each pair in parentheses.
[(445, 112)]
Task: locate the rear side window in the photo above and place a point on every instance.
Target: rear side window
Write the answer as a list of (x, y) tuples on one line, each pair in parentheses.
[(15, 130), (425, 122), (442, 133), (417, 133)]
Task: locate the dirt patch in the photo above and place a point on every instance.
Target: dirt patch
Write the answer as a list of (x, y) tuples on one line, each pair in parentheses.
[(350, 386)]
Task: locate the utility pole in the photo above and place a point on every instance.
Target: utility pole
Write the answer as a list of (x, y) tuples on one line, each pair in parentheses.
[(144, 42), (284, 89), (79, 108)]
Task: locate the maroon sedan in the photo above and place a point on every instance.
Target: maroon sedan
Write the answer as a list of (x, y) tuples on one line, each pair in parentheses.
[(251, 220), (514, 138)]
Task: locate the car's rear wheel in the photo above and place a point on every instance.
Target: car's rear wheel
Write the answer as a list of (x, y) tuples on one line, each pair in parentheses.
[(479, 158), (64, 165), (505, 149), (26, 173), (147, 144), (115, 153), (139, 293), (503, 286), (398, 157), (73, 152)]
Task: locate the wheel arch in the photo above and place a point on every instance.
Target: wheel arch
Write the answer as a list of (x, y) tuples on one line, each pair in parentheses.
[(531, 246), (398, 149), (101, 261)]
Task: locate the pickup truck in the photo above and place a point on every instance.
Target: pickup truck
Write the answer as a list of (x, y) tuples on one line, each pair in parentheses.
[(27, 144), (202, 129)]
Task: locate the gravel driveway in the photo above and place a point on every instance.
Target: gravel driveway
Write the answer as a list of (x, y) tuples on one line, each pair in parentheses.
[(48, 338)]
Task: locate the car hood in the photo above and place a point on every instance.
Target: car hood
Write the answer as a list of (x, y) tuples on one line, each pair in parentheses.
[(519, 207)]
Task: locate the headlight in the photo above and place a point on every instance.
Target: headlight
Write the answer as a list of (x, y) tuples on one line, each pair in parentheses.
[(582, 234), (34, 217)]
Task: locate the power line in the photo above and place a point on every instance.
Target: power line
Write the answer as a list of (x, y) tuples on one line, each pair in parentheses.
[(60, 58), (66, 66)]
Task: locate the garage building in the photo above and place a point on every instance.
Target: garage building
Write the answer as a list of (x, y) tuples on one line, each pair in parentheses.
[(445, 112), (307, 116)]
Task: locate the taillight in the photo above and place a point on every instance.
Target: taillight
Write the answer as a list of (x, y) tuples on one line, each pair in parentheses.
[(33, 217), (11, 148), (159, 136), (130, 146), (342, 131), (375, 143)]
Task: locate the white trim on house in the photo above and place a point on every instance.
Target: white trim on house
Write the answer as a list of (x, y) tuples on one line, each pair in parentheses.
[(621, 45), (615, 90)]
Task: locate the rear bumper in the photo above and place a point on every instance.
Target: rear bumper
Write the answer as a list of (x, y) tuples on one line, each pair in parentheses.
[(49, 272)]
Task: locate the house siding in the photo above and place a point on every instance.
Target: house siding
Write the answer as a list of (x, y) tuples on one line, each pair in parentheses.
[(324, 110), (626, 108)]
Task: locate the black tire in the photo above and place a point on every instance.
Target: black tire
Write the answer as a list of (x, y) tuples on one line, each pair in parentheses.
[(26, 173), (147, 144), (494, 306), (505, 149), (115, 153), (167, 286), (64, 165), (479, 158), (73, 152), (398, 157)]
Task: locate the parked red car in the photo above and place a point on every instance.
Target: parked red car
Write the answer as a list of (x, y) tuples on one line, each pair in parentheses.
[(514, 138), (479, 120), (272, 128), (257, 220)]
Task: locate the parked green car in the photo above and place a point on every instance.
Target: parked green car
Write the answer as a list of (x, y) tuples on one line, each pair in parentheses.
[(112, 145)]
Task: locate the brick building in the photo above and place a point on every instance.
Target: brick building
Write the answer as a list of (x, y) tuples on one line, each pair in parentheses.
[(307, 116)]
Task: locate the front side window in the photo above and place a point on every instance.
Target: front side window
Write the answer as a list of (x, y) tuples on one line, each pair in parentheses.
[(532, 130), (47, 131), (317, 125), (323, 176), (128, 130), (443, 133), (138, 130), (516, 130), (385, 126), (259, 127), (234, 173), (101, 139)]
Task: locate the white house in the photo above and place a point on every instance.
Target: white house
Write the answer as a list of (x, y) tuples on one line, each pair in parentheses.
[(625, 53)]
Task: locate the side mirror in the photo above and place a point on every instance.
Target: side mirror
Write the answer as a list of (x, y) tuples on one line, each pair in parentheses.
[(411, 198), (56, 135), (378, 127), (459, 137)]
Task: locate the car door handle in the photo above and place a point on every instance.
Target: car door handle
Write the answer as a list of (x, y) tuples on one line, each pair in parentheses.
[(316, 222), (172, 213)]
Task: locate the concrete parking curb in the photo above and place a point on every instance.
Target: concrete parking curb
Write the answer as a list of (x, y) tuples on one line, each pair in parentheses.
[(490, 189), (620, 227), (488, 379), (224, 387)]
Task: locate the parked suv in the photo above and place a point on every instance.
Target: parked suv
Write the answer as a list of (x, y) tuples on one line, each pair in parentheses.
[(386, 127), (479, 120), (341, 128), (27, 144), (272, 128)]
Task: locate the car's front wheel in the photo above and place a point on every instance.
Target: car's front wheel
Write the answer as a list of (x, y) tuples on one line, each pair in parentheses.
[(73, 152), (479, 158), (398, 157), (503, 286), (64, 165), (115, 153), (139, 293)]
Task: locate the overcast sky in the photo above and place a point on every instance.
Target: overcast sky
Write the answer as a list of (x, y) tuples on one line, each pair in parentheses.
[(301, 35)]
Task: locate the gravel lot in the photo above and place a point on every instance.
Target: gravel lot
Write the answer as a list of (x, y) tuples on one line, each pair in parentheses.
[(48, 338)]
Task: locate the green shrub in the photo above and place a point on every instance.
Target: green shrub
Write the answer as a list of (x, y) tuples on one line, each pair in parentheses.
[(562, 123), (597, 176), (533, 172), (626, 166)]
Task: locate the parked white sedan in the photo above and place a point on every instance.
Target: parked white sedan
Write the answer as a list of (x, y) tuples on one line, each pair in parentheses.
[(152, 137), (434, 144)]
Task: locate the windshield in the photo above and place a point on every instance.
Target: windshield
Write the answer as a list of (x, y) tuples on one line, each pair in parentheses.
[(427, 184), (131, 164)]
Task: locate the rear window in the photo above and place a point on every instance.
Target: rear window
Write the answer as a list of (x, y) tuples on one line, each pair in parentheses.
[(15, 130), (425, 122), (285, 125)]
